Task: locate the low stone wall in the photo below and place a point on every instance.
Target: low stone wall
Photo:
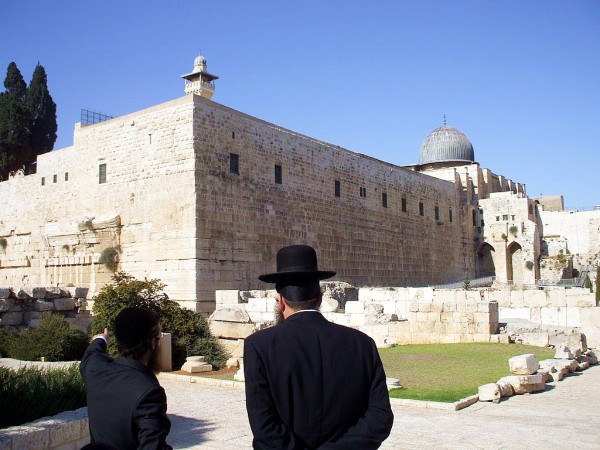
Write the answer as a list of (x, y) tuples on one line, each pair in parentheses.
[(393, 315), (66, 431), (23, 307), (390, 316)]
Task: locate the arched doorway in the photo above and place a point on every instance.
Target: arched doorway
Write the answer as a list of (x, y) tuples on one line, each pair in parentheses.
[(485, 260), (514, 267)]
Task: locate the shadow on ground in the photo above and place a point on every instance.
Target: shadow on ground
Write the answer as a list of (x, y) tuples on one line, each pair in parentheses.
[(187, 431)]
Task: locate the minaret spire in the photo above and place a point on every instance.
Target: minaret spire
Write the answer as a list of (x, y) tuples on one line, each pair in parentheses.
[(199, 81)]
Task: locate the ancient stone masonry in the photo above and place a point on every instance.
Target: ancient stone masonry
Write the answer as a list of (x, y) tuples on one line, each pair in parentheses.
[(424, 315), (25, 306), (202, 196)]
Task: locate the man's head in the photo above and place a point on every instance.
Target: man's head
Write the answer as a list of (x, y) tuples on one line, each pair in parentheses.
[(297, 278), (137, 332)]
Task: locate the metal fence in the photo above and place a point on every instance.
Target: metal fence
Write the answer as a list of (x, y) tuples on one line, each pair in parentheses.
[(91, 117)]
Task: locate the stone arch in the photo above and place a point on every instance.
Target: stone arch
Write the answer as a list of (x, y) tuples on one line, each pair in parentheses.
[(485, 260), (514, 266)]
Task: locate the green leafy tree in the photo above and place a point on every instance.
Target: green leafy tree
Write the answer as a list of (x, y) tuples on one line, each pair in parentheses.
[(27, 119), (189, 330), (42, 113), (14, 122)]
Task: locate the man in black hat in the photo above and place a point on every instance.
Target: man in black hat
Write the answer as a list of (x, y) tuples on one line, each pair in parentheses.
[(127, 407), (311, 383)]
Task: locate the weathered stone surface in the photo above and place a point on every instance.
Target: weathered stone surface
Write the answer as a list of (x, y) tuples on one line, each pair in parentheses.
[(592, 358), (6, 304), (563, 352), (39, 292), (339, 291), (523, 364), (196, 367), (506, 389), (6, 293), (239, 375), (200, 359), (523, 384), (230, 314), (43, 305), (231, 330), (392, 383), (489, 393), (583, 365), (11, 318), (24, 293), (64, 304), (546, 375), (232, 363), (569, 364)]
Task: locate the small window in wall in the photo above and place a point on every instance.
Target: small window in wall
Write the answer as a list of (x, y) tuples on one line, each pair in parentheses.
[(363, 192), (474, 215), (450, 215), (384, 199), (278, 177), (421, 209), (233, 135), (66, 176), (54, 178), (482, 223), (497, 218), (338, 188), (102, 174), (234, 163), (437, 213), (513, 217), (43, 181), (404, 206), (504, 216)]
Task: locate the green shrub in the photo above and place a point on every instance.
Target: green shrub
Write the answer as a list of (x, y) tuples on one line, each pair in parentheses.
[(185, 326), (29, 393), (54, 339), (108, 257)]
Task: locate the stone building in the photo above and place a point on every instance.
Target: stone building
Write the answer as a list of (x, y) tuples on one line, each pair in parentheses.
[(201, 196)]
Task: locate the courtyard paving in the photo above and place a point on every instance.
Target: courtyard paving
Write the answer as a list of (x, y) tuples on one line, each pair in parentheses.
[(566, 415)]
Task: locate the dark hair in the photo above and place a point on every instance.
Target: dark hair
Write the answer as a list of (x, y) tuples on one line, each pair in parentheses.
[(313, 303), (134, 330)]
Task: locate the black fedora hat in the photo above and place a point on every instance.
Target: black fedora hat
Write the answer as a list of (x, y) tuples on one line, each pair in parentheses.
[(296, 262)]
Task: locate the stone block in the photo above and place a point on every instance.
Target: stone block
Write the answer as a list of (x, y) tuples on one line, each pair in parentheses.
[(39, 293), (64, 304), (563, 352), (230, 314), (546, 375), (534, 298), (43, 305), (591, 357), (164, 356), (374, 309), (196, 364), (329, 304), (500, 338), (11, 318), (540, 339), (356, 307), (523, 384), (255, 305), (233, 363), (558, 364), (227, 297), (30, 438), (6, 304), (24, 294), (6, 293), (506, 389), (231, 330), (523, 364), (516, 299), (489, 393)]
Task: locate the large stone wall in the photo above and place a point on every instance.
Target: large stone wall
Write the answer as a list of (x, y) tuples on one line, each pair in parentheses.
[(393, 315), (175, 212)]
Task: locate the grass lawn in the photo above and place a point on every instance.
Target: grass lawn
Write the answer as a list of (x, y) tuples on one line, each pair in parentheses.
[(450, 372)]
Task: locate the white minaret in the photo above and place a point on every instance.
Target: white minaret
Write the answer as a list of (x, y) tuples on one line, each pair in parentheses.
[(199, 81)]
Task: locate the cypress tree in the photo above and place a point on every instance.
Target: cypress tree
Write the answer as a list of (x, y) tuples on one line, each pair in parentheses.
[(42, 114), (14, 123)]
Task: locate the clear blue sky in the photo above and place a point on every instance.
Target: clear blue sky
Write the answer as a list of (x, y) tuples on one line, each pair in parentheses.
[(520, 78)]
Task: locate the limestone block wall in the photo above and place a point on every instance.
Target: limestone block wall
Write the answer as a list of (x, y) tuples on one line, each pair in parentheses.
[(389, 315), (149, 184), (24, 307), (245, 217), (580, 230)]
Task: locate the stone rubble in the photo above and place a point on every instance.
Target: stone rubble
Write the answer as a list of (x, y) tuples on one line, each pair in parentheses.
[(196, 364), (530, 376)]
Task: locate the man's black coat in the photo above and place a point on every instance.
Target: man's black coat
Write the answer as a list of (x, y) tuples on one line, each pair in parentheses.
[(127, 407), (314, 384)]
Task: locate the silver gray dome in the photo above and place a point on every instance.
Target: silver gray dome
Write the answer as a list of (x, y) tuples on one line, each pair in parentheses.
[(446, 144)]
